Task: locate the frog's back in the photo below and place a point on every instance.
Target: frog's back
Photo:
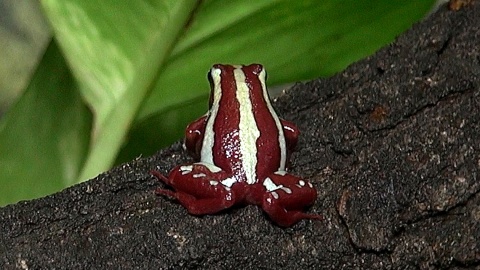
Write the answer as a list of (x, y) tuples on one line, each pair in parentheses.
[(243, 134)]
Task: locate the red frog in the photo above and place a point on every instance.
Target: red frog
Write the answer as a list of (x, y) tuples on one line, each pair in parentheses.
[(242, 148)]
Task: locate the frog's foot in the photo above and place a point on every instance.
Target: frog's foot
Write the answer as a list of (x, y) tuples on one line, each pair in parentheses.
[(198, 187), (286, 197)]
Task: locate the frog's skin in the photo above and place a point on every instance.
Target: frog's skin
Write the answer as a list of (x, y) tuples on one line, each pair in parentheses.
[(241, 147)]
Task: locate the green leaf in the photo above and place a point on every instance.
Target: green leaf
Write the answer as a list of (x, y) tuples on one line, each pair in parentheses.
[(115, 49), (148, 136), (44, 138), (294, 40)]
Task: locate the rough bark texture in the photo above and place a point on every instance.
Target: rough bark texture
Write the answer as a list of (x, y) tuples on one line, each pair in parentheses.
[(392, 144)]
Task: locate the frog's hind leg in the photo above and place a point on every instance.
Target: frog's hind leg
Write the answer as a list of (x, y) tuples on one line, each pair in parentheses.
[(285, 198), (197, 188)]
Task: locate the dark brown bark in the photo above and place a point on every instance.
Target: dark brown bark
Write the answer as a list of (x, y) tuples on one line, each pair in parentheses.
[(392, 145)]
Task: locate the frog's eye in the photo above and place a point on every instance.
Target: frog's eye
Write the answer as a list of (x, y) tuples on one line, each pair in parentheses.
[(209, 77), (213, 72)]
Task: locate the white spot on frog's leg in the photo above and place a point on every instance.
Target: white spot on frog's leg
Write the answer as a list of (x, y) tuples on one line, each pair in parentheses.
[(269, 185), (210, 166), (186, 169), (213, 183), (269, 200), (275, 195), (301, 183), (229, 182), (198, 175), (287, 190), (282, 173)]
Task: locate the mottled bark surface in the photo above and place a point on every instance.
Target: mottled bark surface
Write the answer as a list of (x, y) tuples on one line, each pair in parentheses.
[(392, 145)]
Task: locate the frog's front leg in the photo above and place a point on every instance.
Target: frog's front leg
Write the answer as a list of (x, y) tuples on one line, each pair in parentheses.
[(197, 188), (286, 197), (194, 136)]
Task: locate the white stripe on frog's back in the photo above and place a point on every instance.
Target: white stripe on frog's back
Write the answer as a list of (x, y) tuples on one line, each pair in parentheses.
[(281, 136), (248, 129), (206, 153)]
